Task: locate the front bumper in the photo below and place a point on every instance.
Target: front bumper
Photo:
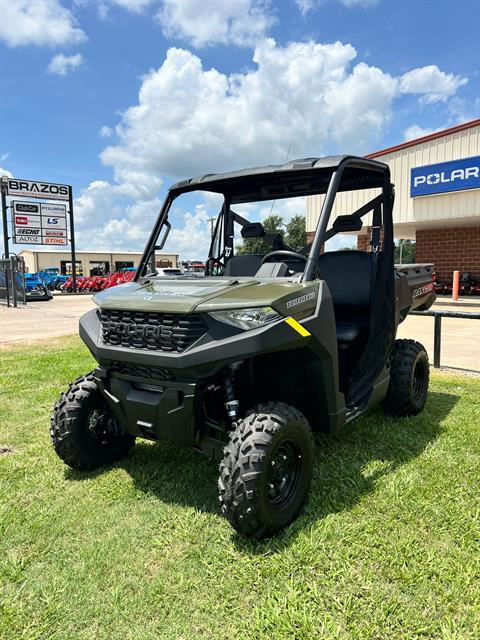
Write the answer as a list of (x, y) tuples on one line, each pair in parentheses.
[(153, 411)]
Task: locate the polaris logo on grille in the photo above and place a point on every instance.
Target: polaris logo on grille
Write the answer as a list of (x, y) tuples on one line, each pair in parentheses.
[(133, 330)]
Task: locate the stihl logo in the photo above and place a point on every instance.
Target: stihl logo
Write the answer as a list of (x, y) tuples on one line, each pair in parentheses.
[(21, 220)]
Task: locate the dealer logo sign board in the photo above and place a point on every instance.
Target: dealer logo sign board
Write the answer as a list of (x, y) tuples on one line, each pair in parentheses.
[(455, 175), (36, 189), (39, 223)]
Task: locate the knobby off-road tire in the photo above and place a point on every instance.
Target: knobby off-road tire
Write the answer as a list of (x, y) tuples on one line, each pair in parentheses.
[(84, 433), (409, 376), (266, 470)]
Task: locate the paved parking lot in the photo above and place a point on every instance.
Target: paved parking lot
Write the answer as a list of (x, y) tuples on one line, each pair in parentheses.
[(40, 320), (59, 317)]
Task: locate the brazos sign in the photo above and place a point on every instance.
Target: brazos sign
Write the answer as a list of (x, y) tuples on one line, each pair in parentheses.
[(36, 189), (455, 175)]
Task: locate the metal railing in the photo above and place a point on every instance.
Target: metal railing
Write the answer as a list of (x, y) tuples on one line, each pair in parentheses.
[(12, 281), (437, 332)]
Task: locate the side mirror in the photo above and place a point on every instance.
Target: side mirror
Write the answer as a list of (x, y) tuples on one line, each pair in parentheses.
[(343, 224), (253, 230)]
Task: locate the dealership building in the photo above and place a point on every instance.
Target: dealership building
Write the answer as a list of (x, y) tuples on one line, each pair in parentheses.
[(437, 198), (89, 262)]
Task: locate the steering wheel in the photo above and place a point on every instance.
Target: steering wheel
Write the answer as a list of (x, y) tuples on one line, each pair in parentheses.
[(284, 253)]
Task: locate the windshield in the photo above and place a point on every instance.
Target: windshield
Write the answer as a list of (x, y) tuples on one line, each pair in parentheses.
[(241, 233)]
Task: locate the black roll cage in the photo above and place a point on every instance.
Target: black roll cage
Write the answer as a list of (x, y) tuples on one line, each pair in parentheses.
[(321, 234)]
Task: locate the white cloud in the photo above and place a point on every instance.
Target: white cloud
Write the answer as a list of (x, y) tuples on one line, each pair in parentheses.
[(193, 120), (61, 64), (6, 172), (415, 131), (133, 6), (38, 22), (433, 84), (106, 132), (240, 22), (307, 5), (360, 3)]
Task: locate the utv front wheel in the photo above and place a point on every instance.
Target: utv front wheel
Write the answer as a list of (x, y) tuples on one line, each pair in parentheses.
[(85, 435), (266, 470), (409, 376)]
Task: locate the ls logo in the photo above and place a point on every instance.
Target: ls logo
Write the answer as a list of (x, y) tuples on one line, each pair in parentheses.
[(52, 220)]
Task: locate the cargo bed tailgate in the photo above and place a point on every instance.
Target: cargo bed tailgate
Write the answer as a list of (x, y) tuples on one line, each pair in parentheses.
[(414, 287)]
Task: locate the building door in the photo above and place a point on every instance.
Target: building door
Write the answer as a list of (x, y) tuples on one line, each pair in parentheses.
[(99, 267), (124, 264), (66, 268)]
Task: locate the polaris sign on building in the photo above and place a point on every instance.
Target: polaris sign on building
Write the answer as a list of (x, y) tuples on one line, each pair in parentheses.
[(437, 201), (456, 175)]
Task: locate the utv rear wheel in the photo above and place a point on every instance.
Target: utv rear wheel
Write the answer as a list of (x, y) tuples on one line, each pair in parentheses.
[(266, 470), (409, 376), (85, 435)]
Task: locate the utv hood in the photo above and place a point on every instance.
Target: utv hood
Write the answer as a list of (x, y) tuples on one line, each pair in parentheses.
[(186, 296)]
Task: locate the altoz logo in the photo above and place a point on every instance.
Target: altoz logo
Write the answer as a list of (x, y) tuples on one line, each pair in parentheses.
[(297, 301), (447, 176), (134, 330), (422, 290)]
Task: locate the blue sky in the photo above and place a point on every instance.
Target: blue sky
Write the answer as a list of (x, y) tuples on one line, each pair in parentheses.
[(122, 97)]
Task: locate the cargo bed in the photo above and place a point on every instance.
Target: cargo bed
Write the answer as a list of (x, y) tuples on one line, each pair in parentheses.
[(414, 287)]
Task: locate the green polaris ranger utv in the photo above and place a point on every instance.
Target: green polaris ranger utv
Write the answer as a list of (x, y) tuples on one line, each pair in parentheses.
[(245, 364)]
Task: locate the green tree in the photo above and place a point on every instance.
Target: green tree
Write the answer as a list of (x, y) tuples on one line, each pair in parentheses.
[(296, 236), (408, 251), (272, 224)]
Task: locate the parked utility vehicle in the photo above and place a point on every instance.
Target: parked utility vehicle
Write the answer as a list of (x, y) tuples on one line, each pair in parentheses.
[(246, 363)]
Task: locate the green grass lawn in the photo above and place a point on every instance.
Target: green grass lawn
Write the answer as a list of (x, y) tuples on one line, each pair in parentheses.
[(388, 546)]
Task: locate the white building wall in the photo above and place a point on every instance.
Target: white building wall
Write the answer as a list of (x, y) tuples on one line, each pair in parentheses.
[(39, 260), (459, 208)]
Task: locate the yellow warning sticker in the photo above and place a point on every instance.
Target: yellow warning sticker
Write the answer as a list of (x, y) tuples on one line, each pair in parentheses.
[(298, 327)]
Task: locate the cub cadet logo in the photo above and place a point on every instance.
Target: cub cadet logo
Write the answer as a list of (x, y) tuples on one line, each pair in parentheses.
[(296, 301), (26, 208), (133, 330), (447, 176), (421, 290)]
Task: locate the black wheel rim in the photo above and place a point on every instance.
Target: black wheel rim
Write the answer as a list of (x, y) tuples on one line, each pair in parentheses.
[(419, 381), (98, 427), (283, 473)]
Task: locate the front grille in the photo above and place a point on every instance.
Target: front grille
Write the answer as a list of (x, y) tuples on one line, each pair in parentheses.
[(169, 332), (139, 371)]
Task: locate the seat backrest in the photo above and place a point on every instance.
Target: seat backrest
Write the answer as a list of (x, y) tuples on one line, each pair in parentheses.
[(243, 265), (348, 275)]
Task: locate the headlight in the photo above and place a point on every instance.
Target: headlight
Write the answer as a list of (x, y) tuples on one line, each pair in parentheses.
[(247, 318)]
